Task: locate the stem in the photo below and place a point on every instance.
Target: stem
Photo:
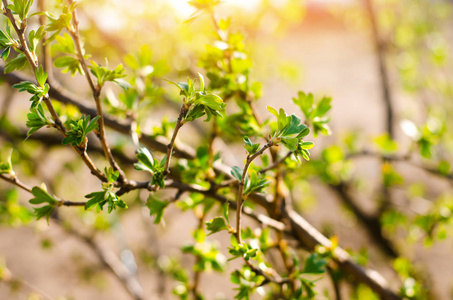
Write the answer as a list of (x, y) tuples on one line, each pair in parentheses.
[(197, 273), (96, 90), (276, 164), (170, 146), (241, 189), (383, 71), (14, 180)]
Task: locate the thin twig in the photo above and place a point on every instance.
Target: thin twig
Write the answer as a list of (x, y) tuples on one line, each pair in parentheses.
[(14, 180), (171, 145), (111, 261), (241, 188), (275, 164), (96, 90)]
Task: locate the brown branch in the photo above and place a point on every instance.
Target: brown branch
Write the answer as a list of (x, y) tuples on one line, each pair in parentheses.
[(371, 224), (276, 163), (15, 181), (310, 238), (383, 70), (110, 261)]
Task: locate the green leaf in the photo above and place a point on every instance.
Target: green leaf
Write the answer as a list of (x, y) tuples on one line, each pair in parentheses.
[(65, 44), (41, 76), (386, 144), (146, 161), (315, 264), (237, 173), (122, 83), (225, 211), (215, 225), (202, 86), (291, 143), (7, 168), (305, 103), (44, 211), (103, 74), (5, 53), (41, 196), (212, 101), (95, 198), (256, 183), (16, 64), (69, 64), (323, 107), (79, 129), (36, 120), (156, 207), (250, 147), (307, 145)]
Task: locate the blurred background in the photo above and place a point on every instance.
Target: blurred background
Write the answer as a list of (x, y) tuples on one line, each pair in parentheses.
[(366, 55)]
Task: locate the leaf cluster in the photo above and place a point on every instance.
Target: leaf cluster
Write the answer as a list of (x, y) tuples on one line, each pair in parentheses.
[(146, 162), (253, 183), (199, 102), (103, 74), (290, 132), (107, 195), (36, 119), (37, 91), (41, 196), (315, 113), (79, 129)]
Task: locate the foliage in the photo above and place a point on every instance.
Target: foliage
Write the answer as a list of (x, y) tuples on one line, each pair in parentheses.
[(278, 254)]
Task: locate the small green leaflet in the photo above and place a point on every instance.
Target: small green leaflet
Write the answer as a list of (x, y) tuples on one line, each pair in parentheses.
[(156, 208), (40, 197)]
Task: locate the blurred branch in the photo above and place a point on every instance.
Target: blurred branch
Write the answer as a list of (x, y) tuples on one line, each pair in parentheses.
[(110, 261), (383, 70), (371, 224)]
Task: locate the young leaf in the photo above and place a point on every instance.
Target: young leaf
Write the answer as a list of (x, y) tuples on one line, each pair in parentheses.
[(237, 173), (215, 225), (16, 64), (315, 264), (250, 147), (146, 161), (41, 76), (156, 207), (40, 197)]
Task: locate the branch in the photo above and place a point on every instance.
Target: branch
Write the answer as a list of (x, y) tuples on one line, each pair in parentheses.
[(370, 223), (301, 230), (170, 146), (111, 261), (241, 188), (310, 238), (276, 164), (383, 71), (96, 90), (15, 181)]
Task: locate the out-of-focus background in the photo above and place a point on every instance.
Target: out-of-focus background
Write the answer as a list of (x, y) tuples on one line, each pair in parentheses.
[(324, 47)]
